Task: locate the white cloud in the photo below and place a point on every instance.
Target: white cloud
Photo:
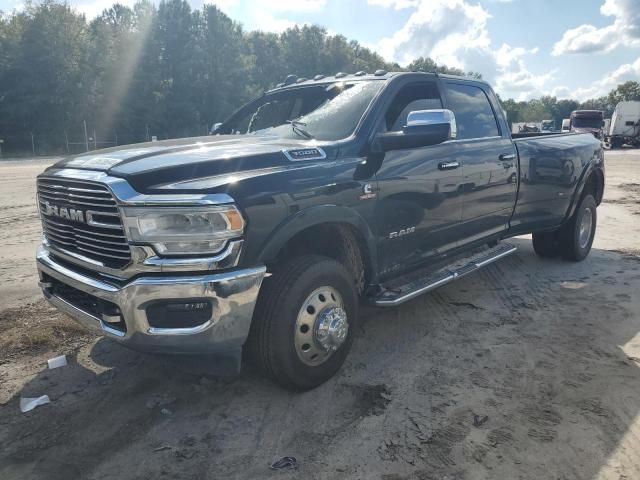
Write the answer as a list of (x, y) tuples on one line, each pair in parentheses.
[(294, 5), (266, 16), (94, 8), (440, 29), (625, 30), (454, 32), (224, 5), (397, 4), (270, 16), (562, 92), (625, 72), (269, 23)]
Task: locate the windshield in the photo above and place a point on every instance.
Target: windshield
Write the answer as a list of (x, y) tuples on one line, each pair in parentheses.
[(323, 112), (587, 122)]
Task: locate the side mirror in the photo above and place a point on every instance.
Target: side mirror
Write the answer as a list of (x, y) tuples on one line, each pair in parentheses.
[(216, 127), (603, 123), (423, 128)]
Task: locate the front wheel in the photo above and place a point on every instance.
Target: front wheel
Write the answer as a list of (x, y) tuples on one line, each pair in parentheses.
[(304, 322)]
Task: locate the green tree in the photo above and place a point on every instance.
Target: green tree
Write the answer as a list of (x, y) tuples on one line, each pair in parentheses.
[(625, 92), (266, 60), (302, 49), (423, 64), (45, 81), (174, 31), (221, 76), (171, 71)]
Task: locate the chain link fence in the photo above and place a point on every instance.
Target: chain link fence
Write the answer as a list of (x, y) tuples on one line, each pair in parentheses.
[(33, 144)]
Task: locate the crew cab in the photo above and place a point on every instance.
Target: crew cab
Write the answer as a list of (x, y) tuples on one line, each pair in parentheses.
[(315, 198)]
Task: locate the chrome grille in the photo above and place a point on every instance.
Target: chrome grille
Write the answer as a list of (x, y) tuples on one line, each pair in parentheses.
[(99, 237)]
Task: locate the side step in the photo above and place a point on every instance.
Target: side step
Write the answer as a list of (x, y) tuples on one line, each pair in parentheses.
[(394, 294)]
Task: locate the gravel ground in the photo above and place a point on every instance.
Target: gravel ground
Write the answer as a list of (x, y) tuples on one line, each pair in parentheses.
[(526, 369)]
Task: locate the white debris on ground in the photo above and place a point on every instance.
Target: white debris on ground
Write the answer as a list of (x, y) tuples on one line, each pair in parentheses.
[(28, 404), (57, 362)]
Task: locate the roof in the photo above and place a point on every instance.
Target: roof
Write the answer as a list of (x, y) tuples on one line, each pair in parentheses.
[(587, 112), (293, 81)]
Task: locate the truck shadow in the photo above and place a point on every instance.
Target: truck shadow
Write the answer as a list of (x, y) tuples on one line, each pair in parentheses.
[(526, 369)]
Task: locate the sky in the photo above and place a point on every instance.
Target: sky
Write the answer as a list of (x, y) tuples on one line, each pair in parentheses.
[(569, 48)]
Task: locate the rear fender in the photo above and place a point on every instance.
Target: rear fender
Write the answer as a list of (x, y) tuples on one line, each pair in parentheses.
[(577, 195)]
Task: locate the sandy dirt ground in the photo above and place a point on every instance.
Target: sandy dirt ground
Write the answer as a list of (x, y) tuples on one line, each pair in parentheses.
[(528, 369)]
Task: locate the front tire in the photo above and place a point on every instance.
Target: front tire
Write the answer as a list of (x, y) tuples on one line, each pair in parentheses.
[(304, 322)]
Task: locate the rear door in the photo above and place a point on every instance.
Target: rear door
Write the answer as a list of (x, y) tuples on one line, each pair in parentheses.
[(419, 199), (488, 158)]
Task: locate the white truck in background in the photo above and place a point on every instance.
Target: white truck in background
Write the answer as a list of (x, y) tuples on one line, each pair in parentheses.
[(625, 125), (566, 124)]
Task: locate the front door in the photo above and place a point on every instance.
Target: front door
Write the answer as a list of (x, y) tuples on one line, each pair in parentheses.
[(420, 196)]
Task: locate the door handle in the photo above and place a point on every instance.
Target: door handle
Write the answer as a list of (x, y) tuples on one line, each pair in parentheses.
[(504, 157), (448, 165)]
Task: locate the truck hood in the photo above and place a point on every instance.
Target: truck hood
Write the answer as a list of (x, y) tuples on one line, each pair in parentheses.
[(170, 164)]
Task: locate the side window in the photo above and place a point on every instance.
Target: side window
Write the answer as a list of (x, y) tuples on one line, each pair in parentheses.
[(415, 96), (474, 116)]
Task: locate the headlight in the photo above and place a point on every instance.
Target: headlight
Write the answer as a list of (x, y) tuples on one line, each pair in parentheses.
[(183, 230)]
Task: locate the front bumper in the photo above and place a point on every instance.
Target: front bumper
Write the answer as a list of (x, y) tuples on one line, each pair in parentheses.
[(232, 295)]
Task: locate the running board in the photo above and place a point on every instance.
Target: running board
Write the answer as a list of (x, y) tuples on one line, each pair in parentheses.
[(395, 295)]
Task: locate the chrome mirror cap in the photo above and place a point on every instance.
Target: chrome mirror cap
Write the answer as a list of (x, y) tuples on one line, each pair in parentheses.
[(440, 116)]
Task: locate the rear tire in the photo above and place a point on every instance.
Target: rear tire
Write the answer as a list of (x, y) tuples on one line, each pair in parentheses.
[(304, 322), (576, 237), (545, 244)]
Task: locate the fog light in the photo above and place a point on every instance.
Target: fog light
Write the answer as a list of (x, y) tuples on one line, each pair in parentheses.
[(179, 314)]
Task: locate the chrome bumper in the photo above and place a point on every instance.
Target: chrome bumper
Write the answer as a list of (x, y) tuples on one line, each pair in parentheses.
[(232, 294)]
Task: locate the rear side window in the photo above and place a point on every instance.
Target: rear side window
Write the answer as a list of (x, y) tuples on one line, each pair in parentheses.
[(474, 115)]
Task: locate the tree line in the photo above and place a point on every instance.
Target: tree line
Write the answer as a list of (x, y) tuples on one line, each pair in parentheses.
[(168, 70), (550, 108)]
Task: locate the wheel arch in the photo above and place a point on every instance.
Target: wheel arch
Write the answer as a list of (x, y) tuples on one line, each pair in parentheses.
[(331, 230), (592, 182)]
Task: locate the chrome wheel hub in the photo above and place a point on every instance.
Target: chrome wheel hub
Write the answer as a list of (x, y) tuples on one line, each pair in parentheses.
[(321, 327), (586, 224), (332, 328)]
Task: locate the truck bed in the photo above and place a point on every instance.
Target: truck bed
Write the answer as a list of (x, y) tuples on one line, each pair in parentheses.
[(550, 167)]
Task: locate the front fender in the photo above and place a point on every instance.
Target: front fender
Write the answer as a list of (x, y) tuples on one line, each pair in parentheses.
[(311, 217)]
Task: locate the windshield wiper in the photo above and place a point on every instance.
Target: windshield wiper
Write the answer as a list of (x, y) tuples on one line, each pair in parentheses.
[(295, 125)]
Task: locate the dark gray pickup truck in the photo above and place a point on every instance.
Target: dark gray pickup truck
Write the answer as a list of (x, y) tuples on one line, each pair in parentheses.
[(321, 194)]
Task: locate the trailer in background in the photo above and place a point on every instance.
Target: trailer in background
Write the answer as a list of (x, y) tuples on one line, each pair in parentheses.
[(625, 125)]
